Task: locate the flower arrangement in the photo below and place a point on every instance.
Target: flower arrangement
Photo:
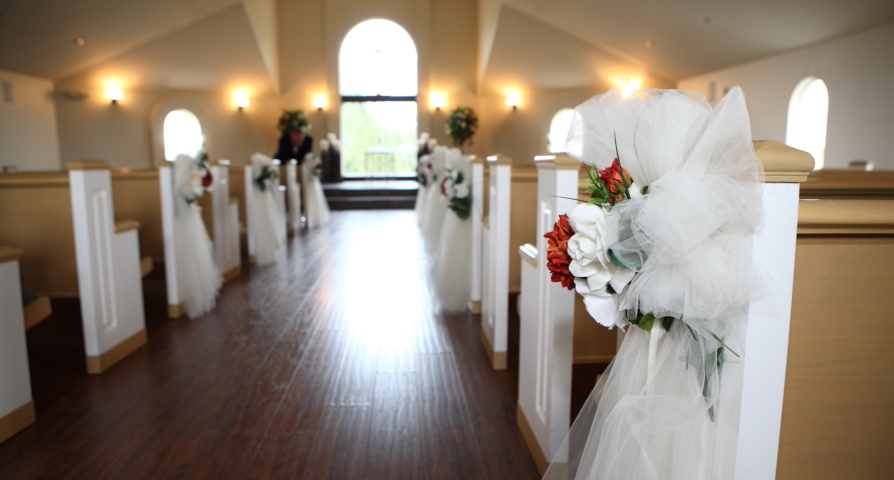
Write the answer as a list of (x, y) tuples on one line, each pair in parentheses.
[(199, 178), (268, 175), (293, 119), (456, 191), (579, 254), (461, 123), (425, 172), (317, 163)]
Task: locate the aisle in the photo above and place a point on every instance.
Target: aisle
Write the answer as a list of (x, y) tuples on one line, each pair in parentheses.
[(330, 364)]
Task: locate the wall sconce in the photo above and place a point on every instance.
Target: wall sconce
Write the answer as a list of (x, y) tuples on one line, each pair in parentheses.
[(513, 99), (437, 100), (319, 101), (114, 94), (240, 98), (628, 85)]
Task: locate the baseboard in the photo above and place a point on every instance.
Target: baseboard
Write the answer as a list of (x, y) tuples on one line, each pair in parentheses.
[(531, 440), (475, 307), (101, 363), (16, 420), (145, 266), (175, 311), (498, 360), (232, 273), (36, 311)]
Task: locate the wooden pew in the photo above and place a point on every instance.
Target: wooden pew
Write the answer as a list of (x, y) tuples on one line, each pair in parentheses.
[(555, 328), (76, 249), (139, 196), (226, 228), (293, 196), (509, 222), (479, 207), (16, 404), (843, 184), (248, 180), (837, 416), (36, 212), (756, 382)]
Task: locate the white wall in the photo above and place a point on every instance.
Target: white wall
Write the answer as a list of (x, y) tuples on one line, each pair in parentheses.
[(121, 134), (857, 69), (28, 132)]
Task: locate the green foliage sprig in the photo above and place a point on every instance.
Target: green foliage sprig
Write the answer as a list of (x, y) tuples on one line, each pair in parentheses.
[(293, 119), (461, 123)]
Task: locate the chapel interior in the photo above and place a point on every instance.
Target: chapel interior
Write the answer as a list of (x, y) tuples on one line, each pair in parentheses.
[(335, 362)]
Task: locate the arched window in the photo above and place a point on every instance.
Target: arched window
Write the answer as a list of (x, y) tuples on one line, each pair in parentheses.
[(808, 114), (378, 84), (558, 130), (182, 134)]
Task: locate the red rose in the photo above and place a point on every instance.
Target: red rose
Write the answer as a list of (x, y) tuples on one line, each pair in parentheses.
[(207, 179), (616, 180), (557, 259)]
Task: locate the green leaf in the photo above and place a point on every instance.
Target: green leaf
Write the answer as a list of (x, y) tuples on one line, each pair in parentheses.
[(644, 321)]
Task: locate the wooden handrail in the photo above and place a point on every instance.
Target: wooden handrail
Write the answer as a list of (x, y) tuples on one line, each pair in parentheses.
[(9, 254), (846, 217)]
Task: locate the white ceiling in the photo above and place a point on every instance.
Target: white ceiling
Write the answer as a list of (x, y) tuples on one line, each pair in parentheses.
[(39, 37), (217, 52), (692, 37), (688, 37)]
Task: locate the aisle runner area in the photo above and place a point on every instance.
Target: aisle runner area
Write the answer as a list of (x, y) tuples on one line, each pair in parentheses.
[(328, 364)]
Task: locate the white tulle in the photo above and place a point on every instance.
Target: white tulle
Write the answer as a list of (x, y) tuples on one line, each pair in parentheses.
[(689, 241), (316, 208), (425, 171), (266, 215), (198, 276), (647, 418), (451, 265), (419, 206), (435, 206)]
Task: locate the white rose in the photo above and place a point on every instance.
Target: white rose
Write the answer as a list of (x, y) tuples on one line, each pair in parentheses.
[(462, 190), (601, 305), (195, 181), (588, 248)]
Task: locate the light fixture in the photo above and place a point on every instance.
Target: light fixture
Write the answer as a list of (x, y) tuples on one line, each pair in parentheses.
[(628, 85), (437, 100), (319, 101), (113, 92), (240, 98), (513, 98)]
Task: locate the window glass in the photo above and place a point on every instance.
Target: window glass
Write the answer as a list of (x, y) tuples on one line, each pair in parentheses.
[(558, 130), (378, 59), (182, 134), (808, 113)]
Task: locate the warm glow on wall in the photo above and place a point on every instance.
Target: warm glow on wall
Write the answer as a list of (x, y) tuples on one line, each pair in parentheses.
[(513, 98), (241, 98), (437, 100), (113, 91), (319, 101), (628, 85)]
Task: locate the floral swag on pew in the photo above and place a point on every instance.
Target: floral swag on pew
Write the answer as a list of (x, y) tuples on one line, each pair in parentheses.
[(664, 243), (199, 179), (266, 177), (455, 190)]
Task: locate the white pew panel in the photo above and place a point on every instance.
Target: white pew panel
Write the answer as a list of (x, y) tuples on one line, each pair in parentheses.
[(16, 404)]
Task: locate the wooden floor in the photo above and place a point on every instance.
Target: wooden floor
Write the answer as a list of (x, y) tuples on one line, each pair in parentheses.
[(331, 364)]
